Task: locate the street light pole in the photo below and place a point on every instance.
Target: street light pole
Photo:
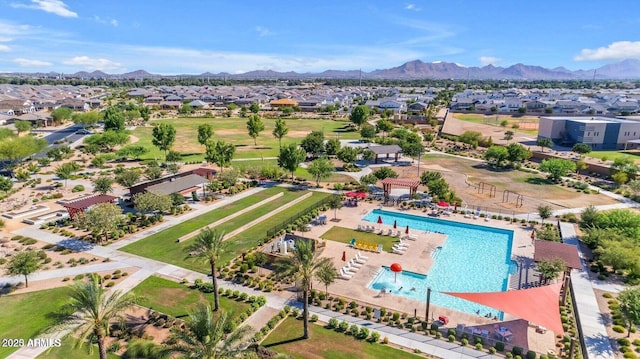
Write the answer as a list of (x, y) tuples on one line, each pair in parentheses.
[(419, 156)]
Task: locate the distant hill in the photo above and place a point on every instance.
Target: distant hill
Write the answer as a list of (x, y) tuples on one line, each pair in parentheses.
[(412, 70)]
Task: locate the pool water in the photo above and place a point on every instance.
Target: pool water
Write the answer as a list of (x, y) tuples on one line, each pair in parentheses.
[(472, 259)]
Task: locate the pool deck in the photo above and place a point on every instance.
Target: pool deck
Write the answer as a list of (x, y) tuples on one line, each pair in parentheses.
[(418, 259)]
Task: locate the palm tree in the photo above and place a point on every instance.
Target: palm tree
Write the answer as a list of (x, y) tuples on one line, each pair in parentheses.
[(206, 337), (303, 264), (93, 309), (208, 247)]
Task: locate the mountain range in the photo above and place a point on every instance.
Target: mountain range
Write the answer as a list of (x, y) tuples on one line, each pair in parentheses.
[(413, 70)]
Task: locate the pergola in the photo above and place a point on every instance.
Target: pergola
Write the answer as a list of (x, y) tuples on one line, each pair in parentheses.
[(80, 205), (386, 150), (388, 182)]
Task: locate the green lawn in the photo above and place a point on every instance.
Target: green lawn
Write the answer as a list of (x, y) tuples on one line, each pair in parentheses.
[(68, 350), (344, 235), (612, 155), (234, 130), (24, 316), (177, 299), (325, 343), (163, 247), (247, 239)]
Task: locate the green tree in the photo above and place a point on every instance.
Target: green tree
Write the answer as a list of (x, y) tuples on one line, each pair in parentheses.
[(173, 156), (149, 202), (359, 115), (544, 142), (581, 148), (5, 184), (132, 151), (544, 212), (320, 169), (220, 153), (630, 307), (302, 265), (61, 114), (113, 119), (588, 217), (280, 130), (368, 180), (290, 157), (313, 143), (208, 337), (93, 311), (254, 108), (164, 135), (66, 170), (368, 155), (348, 155), (550, 270), (86, 119), (332, 147), (367, 131), (327, 274), (107, 140), (517, 152), (557, 168), (254, 127), (504, 123), (508, 135), (16, 149), (620, 178), (101, 219), (22, 126), (384, 126), (581, 165), (335, 203), (207, 247), (626, 165), (385, 172), (127, 178), (496, 155), (205, 132), (439, 188), (103, 185), (153, 172), (23, 263), (472, 138)]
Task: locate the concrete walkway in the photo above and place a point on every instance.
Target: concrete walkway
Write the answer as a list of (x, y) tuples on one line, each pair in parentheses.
[(595, 341)]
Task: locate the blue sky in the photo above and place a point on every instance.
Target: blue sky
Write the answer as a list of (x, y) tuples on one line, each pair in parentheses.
[(188, 36)]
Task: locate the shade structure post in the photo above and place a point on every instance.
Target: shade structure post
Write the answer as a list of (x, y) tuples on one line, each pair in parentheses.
[(426, 314)]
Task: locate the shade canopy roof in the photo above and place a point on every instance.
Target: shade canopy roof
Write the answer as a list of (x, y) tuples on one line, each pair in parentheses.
[(539, 305), (548, 251)]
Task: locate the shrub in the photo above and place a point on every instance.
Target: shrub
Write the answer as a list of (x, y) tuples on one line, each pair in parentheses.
[(618, 329), (333, 323), (606, 295), (343, 326), (452, 338), (375, 337), (363, 333), (517, 351), (531, 354), (623, 342), (78, 277), (509, 355), (110, 284), (295, 313), (314, 318), (385, 340), (492, 350), (500, 346), (479, 346), (464, 342)]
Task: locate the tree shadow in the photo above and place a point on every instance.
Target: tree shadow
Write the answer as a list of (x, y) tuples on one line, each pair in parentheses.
[(282, 342), (537, 181)]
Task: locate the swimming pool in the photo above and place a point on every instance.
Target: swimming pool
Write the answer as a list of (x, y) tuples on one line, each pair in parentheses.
[(473, 259)]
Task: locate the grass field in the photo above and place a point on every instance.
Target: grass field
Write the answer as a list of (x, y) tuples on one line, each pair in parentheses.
[(242, 165), (177, 300), (344, 235), (163, 247), (528, 124), (247, 239), (234, 130), (326, 344), (68, 350), (24, 316), (612, 155)]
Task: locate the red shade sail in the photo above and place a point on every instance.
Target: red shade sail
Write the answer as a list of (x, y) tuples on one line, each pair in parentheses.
[(396, 267), (539, 305)]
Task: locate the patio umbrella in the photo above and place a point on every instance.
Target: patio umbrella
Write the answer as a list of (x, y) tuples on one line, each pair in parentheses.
[(406, 231), (344, 256), (379, 220), (361, 195), (396, 268), (395, 224), (443, 204), (351, 194)]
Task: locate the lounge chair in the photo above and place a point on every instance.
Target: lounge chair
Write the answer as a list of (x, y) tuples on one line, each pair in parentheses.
[(398, 234), (349, 270), (412, 237), (389, 232), (353, 264), (345, 275), (352, 243), (379, 249), (398, 251), (359, 260), (359, 255), (401, 244), (399, 248)]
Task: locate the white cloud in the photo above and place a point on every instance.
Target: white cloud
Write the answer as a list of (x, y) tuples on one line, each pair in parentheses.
[(5, 39), (112, 22), (31, 63), (7, 28), (4, 48), (412, 7), (92, 63), (489, 60), (263, 31), (51, 6), (615, 51)]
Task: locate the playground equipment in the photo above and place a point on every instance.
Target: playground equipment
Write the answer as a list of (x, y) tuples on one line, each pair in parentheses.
[(519, 198)]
